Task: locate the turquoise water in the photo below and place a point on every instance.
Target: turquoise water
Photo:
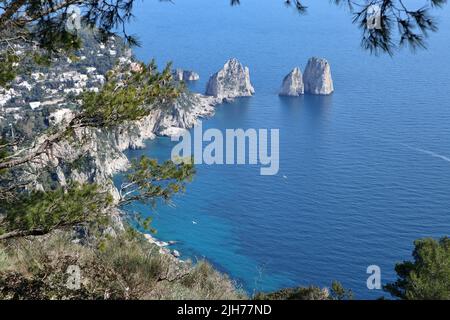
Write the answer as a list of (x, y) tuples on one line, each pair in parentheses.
[(368, 168)]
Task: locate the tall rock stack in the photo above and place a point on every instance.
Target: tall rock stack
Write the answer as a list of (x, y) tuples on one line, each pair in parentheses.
[(230, 82), (317, 77), (185, 75), (293, 84)]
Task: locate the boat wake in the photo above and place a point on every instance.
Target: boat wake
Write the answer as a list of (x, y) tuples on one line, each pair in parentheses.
[(428, 152)]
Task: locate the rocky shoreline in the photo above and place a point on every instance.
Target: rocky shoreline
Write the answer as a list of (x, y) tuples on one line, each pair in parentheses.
[(163, 246)]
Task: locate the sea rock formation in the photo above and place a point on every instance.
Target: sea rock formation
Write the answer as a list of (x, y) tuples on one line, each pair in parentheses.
[(230, 82), (293, 84), (185, 75), (317, 77)]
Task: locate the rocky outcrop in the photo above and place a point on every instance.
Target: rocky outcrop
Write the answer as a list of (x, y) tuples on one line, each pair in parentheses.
[(293, 84), (317, 77), (176, 253), (185, 75), (184, 113), (230, 82)]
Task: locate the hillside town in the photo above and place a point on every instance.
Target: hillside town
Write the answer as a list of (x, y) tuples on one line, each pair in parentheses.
[(46, 94)]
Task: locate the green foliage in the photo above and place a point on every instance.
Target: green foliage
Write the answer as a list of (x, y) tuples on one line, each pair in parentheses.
[(128, 96), (127, 267), (3, 259), (138, 263), (81, 163), (148, 181), (43, 211), (338, 292), (42, 59), (204, 282), (144, 223), (53, 37), (8, 69), (299, 293), (38, 270), (427, 277), (3, 148)]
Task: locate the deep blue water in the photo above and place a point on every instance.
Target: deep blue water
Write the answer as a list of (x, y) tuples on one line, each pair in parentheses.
[(367, 168)]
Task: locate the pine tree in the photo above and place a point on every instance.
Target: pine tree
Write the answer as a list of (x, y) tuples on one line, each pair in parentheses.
[(427, 277)]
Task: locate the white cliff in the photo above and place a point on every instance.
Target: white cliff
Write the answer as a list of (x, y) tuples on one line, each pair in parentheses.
[(184, 113), (92, 160), (317, 77), (230, 82), (293, 84), (185, 75)]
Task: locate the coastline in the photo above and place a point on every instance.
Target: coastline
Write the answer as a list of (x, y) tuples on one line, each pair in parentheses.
[(156, 125), (163, 246)]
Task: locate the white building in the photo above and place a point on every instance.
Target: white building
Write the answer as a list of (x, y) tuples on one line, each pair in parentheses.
[(35, 104)]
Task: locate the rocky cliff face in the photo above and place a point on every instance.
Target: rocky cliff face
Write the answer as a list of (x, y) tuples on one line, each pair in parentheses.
[(184, 113), (317, 77), (230, 82), (293, 84), (186, 75), (92, 158), (98, 154)]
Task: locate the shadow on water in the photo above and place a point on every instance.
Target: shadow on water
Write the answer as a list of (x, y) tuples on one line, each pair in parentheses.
[(291, 104), (318, 106), (233, 113), (314, 106)]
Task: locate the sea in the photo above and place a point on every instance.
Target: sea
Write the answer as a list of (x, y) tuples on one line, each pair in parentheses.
[(363, 172)]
